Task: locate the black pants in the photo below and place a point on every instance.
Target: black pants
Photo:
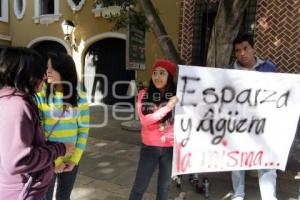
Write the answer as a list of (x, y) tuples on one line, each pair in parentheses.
[(150, 157), (65, 183)]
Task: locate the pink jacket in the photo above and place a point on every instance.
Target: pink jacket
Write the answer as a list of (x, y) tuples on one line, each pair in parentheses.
[(152, 135)]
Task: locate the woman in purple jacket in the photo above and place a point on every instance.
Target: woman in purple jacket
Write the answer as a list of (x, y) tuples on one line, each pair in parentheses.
[(26, 160)]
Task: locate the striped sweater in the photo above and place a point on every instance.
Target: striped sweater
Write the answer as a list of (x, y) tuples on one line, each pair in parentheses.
[(71, 125)]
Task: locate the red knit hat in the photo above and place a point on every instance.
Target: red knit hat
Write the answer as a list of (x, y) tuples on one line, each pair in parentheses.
[(166, 64)]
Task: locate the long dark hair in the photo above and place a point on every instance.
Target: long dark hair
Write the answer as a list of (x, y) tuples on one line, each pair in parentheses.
[(65, 66), (153, 97), (23, 69)]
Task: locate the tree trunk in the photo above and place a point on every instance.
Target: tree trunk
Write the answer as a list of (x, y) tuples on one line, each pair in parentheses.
[(226, 27), (159, 31)]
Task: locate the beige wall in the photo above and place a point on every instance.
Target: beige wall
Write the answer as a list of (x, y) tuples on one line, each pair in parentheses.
[(4, 31), (4, 28), (169, 12), (25, 31), (86, 24)]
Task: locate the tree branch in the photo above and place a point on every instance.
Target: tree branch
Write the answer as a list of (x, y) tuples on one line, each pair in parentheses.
[(159, 31)]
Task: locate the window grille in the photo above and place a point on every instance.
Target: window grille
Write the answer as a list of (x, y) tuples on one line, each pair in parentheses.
[(47, 7), (205, 13)]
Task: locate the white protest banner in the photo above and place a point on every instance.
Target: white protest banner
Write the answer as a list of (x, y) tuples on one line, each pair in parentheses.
[(234, 119)]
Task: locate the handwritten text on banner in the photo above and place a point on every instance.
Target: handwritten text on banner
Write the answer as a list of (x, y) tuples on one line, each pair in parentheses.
[(234, 119)]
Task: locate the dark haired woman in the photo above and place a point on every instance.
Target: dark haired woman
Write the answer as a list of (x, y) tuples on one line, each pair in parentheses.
[(155, 106), (26, 161), (65, 116)]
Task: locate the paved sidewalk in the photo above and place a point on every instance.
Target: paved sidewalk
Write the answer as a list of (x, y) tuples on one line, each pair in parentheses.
[(107, 169)]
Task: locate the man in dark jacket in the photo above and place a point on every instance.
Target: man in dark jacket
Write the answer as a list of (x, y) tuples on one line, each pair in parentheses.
[(246, 60)]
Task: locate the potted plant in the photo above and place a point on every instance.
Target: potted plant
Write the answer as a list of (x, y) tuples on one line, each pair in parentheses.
[(109, 8), (107, 3), (120, 18)]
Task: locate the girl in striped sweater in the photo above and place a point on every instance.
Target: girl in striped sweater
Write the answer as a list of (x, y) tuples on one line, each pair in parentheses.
[(65, 116)]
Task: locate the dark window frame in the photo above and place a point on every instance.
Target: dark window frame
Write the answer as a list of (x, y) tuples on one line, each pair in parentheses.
[(1, 6), (203, 23), (47, 7)]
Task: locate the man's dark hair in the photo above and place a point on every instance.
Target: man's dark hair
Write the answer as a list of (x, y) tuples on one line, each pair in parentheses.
[(244, 38)]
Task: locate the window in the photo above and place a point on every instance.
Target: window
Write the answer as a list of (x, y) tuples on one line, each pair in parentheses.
[(4, 10), (46, 11), (19, 8), (47, 7), (248, 25), (205, 13), (76, 4), (0, 8)]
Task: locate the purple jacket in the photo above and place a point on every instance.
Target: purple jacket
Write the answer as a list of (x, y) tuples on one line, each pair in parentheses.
[(26, 161)]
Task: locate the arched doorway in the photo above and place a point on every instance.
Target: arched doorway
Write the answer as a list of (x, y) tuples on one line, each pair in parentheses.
[(46, 46), (106, 79)]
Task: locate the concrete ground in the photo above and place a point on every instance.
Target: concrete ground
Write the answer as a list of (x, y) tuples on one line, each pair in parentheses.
[(107, 169)]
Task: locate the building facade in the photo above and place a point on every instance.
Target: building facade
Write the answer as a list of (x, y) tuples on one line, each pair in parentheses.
[(274, 23), (97, 49)]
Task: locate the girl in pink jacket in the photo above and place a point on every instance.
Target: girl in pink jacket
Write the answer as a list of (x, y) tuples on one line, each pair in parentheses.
[(155, 106)]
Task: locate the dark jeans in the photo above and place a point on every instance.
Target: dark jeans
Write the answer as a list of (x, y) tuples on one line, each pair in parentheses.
[(150, 157), (65, 183)]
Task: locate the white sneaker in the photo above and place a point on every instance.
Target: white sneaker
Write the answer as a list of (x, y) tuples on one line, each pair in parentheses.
[(237, 198), (297, 176)]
